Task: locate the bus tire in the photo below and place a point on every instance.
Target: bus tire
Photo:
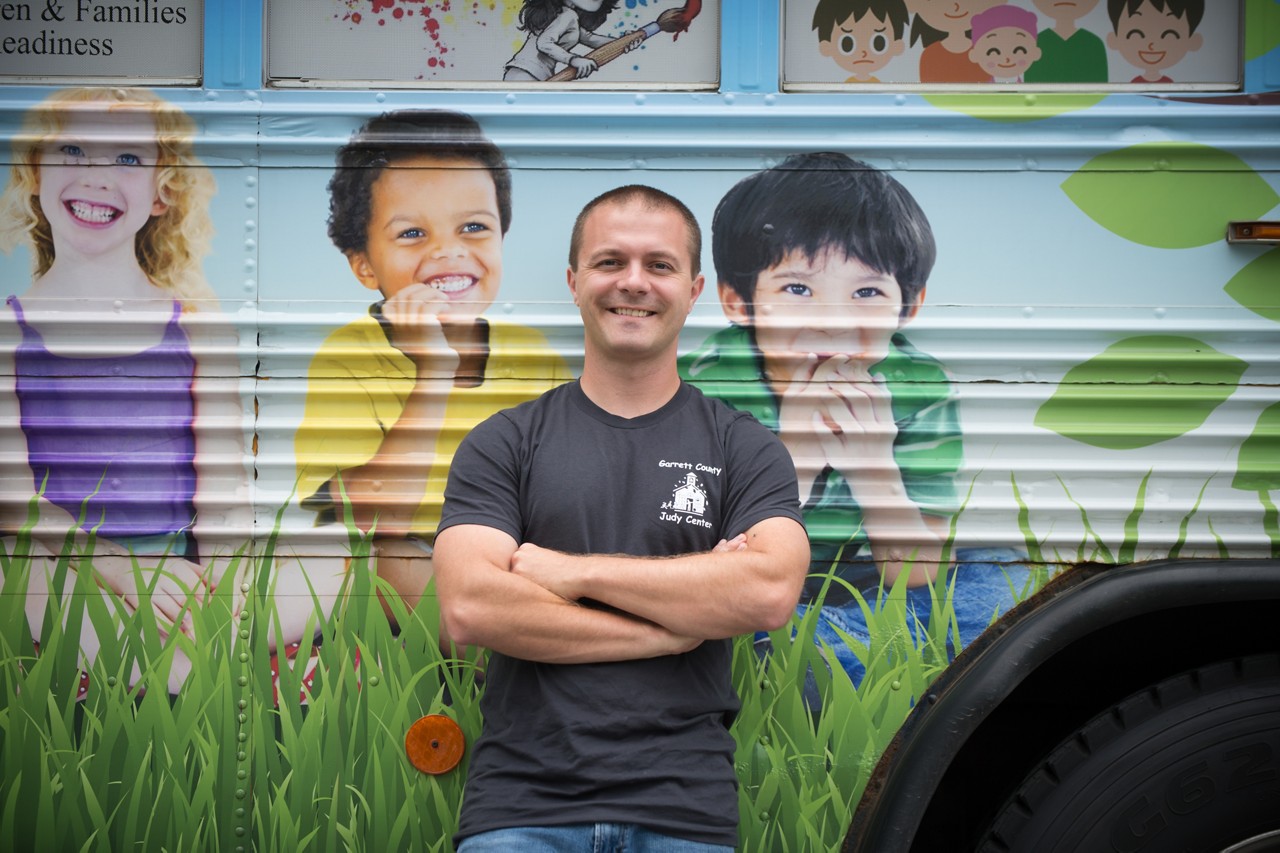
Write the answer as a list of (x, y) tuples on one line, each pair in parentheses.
[(1190, 763)]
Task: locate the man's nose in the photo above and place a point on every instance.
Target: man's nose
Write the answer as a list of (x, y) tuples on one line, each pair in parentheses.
[(634, 277)]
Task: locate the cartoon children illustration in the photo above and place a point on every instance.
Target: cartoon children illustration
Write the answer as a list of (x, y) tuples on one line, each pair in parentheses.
[(555, 27), (1154, 35), (943, 29), (1068, 54), (111, 384), (861, 35), (1004, 42), (822, 261), (419, 205)]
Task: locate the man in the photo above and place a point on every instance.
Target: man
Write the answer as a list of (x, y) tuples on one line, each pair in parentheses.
[(604, 542)]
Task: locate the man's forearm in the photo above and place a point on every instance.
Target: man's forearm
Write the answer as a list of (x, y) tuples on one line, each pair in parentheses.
[(484, 604), (711, 595)]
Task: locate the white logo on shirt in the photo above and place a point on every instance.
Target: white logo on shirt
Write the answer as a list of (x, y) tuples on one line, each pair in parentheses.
[(688, 503)]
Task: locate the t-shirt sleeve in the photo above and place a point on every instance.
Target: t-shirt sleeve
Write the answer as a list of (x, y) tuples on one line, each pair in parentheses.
[(762, 478), (485, 479)]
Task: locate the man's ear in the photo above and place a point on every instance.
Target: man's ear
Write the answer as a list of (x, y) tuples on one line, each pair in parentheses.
[(572, 280), (909, 311), (362, 270), (698, 284), (736, 310)]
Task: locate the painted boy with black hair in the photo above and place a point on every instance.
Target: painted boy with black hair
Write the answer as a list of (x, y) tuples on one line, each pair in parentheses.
[(822, 261), (861, 35), (1154, 35), (419, 204)]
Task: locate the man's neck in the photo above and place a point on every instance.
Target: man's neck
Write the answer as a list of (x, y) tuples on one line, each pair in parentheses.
[(632, 391)]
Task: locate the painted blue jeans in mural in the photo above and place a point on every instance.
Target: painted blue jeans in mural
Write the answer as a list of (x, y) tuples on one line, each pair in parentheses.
[(987, 583), (586, 837)]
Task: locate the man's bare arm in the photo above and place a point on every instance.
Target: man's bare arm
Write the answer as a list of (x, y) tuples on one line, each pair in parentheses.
[(483, 603), (718, 594)]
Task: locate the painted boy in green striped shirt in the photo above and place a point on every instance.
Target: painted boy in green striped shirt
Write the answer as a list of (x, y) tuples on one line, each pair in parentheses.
[(821, 262)]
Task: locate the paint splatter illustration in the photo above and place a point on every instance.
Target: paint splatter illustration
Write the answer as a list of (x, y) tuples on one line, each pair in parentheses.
[(460, 38)]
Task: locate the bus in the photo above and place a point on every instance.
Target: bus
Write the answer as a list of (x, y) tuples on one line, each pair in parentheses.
[(1001, 276)]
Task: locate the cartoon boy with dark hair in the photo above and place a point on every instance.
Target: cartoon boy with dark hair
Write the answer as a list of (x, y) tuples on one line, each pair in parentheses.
[(1068, 54), (1154, 35), (861, 35), (419, 204), (822, 261)]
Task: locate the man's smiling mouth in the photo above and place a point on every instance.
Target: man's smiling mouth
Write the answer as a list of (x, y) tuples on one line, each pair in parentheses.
[(632, 312)]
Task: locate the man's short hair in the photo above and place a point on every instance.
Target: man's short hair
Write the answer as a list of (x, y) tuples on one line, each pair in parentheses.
[(816, 202), (1192, 10), (395, 137), (650, 198)]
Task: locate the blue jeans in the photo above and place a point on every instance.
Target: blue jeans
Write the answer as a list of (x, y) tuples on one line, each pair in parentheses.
[(985, 583), (583, 838)]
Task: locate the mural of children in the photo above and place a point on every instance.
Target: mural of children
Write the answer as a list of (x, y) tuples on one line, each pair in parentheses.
[(1068, 54), (1004, 42), (419, 205), (943, 29), (555, 27), (822, 260), (106, 192), (1154, 35), (861, 35)]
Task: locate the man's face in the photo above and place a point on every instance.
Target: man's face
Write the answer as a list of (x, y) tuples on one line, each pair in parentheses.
[(1005, 52), (434, 222), (1065, 10), (634, 282), (1151, 40), (807, 310), (862, 47)]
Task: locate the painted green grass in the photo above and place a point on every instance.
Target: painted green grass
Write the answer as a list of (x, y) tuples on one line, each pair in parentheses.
[(221, 766)]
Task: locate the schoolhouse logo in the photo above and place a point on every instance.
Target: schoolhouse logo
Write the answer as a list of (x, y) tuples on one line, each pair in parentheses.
[(688, 503)]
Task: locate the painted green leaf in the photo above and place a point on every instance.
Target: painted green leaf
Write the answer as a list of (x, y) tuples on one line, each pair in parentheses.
[(1257, 286), (1141, 391), (1010, 107), (1262, 30), (1170, 195), (1258, 466)]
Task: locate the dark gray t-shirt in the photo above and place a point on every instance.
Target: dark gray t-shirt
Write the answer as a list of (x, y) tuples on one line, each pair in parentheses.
[(642, 741)]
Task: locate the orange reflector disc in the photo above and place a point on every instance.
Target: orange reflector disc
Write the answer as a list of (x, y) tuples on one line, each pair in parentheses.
[(434, 744)]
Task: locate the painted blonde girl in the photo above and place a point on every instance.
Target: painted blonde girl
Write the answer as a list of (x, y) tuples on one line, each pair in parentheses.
[(117, 373)]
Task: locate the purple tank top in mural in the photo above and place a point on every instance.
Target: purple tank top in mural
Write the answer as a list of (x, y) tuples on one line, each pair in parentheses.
[(112, 436)]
